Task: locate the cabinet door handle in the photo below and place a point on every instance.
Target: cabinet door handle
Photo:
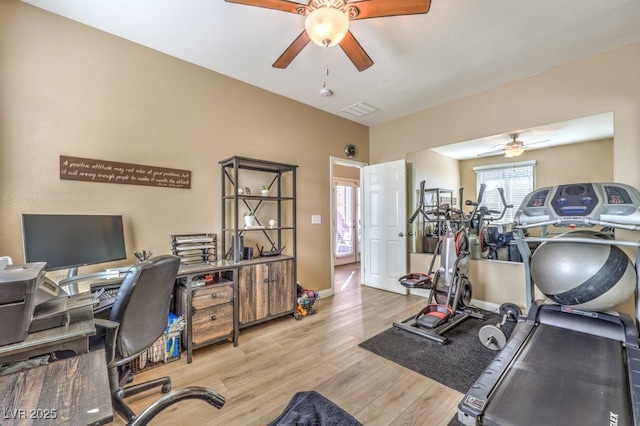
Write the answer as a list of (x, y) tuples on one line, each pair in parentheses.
[(214, 295), (266, 280), (213, 317)]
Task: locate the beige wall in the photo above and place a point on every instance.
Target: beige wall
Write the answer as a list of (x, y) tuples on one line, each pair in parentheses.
[(346, 172), (581, 162), (602, 83), (67, 89)]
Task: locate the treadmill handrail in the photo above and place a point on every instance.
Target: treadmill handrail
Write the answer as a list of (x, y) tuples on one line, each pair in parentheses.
[(582, 221)]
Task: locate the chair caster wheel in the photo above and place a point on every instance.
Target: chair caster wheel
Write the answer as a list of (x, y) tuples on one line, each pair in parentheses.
[(166, 388)]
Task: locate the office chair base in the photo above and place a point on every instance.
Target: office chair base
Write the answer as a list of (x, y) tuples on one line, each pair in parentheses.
[(192, 392), (118, 396)]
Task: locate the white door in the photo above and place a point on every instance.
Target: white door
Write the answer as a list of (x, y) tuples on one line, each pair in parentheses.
[(384, 227), (346, 221)]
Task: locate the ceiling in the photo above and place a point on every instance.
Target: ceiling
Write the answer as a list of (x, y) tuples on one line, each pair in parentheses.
[(460, 47), (584, 129)]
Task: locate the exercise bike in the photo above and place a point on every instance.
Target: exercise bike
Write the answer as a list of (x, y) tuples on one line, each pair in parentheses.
[(479, 228), (449, 299)]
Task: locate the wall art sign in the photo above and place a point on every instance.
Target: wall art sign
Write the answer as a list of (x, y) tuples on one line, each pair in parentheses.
[(91, 170)]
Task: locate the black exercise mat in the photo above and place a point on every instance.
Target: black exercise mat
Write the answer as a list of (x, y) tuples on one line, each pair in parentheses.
[(456, 364)]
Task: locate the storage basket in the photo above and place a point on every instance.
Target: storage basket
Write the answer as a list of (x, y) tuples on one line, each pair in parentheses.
[(166, 349)]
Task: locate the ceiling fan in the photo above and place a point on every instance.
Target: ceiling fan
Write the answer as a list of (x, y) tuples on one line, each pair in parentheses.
[(327, 23), (512, 149)]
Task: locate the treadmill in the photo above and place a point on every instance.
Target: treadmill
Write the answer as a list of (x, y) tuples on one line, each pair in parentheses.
[(561, 365)]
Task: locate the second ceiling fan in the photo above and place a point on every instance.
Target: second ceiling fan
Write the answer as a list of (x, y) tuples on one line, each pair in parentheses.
[(511, 149), (327, 23)]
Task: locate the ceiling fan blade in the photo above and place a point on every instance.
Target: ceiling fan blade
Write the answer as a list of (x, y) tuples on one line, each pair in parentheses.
[(490, 153), (292, 51), (378, 8), (283, 5), (355, 52), (537, 142)]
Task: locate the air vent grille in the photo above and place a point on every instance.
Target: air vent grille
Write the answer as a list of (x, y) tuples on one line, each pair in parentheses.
[(360, 109)]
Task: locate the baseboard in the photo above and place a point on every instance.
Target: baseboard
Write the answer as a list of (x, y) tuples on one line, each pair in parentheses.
[(487, 306), (325, 293)]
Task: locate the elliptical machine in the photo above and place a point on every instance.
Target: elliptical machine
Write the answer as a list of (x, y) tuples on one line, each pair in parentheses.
[(449, 300)]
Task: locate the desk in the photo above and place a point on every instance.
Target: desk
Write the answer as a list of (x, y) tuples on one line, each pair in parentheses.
[(71, 391), (73, 336)]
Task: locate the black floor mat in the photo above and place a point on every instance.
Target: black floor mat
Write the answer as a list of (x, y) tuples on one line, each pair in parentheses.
[(456, 364)]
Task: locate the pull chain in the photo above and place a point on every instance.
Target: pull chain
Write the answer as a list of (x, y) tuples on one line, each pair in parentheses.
[(324, 91), (325, 59)]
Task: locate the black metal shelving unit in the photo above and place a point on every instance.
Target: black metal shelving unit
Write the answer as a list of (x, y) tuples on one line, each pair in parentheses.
[(267, 281), (232, 201)]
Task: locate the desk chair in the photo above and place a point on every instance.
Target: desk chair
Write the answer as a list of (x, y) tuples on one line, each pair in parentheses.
[(137, 319)]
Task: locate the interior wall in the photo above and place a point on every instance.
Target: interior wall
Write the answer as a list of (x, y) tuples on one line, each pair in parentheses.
[(437, 171), (580, 162), (68, 89), (601, 83), (346, 172)]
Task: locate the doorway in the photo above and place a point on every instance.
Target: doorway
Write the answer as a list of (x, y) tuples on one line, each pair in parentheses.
[(346, 221)]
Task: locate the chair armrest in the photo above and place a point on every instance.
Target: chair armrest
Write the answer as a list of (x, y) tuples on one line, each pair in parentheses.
[(198, 392), (111, 331)]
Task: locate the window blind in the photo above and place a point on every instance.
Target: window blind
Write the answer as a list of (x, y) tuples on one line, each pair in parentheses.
[(515, 179)]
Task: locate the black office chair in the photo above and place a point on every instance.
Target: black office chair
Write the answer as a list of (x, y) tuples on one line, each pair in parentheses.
[(137, 319)]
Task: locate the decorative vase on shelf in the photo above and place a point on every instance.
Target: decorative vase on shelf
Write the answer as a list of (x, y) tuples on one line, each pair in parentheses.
[(249, 220), (265, 190)]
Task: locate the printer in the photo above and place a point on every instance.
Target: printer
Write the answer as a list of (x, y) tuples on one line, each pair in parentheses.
[(18, 287)]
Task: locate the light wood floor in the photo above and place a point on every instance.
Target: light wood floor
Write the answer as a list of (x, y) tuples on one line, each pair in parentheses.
[(320, 352)]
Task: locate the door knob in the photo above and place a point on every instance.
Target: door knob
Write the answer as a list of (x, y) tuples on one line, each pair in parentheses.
[(400, 234)]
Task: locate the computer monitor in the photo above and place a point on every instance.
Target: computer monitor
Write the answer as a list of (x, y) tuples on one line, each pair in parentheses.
[(68, 241)]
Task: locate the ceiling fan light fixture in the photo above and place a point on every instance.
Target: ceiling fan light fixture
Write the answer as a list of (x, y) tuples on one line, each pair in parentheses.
[(513, 152), (326, 26)]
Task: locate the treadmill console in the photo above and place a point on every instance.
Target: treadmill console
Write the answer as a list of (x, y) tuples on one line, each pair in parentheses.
[(581, 204)]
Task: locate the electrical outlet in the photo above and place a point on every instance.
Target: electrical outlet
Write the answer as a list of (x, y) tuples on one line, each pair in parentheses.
[(316, 219)]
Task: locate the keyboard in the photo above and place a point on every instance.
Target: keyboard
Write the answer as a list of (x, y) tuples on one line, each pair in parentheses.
[(105, 299), (108, 294)]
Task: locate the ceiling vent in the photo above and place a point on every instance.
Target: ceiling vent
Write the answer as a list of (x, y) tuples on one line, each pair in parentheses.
[(360, 109)]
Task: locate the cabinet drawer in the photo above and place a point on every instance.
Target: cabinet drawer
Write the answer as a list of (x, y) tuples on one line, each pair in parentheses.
[(210, 323), (207, 296)]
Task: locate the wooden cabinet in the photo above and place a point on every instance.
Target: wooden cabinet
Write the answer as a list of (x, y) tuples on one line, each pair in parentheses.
[(210, 310), (266, 290)]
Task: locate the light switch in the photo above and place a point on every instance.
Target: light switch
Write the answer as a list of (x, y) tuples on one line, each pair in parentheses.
[(316, 219)]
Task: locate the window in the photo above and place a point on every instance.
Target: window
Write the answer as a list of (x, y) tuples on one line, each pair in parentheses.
[(515, 179)]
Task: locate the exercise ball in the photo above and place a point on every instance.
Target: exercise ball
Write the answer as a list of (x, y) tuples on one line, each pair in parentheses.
[(593, 277)]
